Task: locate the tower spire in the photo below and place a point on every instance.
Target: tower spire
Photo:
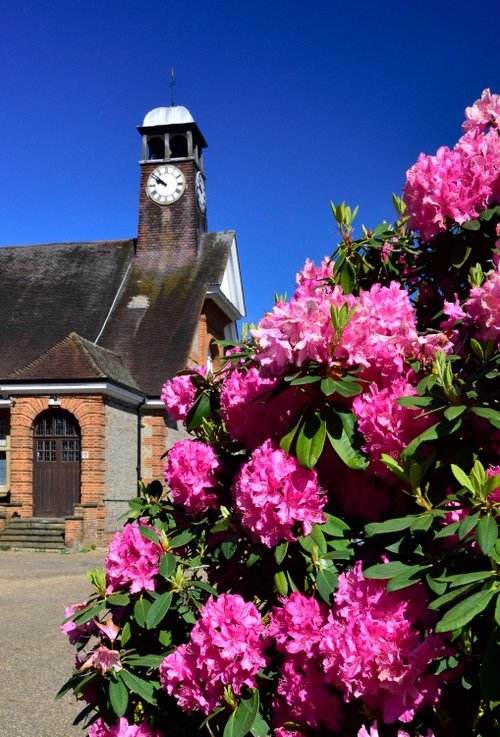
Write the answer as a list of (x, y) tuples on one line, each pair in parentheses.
[(172, 85)]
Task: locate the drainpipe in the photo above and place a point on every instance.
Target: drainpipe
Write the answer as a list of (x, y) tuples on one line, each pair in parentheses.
[(139, 443)]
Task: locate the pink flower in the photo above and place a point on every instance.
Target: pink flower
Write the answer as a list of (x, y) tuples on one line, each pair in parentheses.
[(226, 648), (386, 426), (454, 185), (103, 659), (132, 560), (190, 472), (453, 311), (274, 494), (483, 306), (483, 113), (122, 728), (109, 628), (363, 732), (304, 697), (252, 412), (74, 631), (296, 625), (373, 650), (178, 394)]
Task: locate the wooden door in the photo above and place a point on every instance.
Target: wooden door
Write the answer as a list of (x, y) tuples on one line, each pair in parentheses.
[(56, 464)]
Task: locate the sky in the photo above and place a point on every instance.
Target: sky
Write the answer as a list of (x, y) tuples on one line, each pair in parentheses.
[(301, 103)]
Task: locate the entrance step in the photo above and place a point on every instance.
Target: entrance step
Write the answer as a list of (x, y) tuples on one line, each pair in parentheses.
[(34, 533)]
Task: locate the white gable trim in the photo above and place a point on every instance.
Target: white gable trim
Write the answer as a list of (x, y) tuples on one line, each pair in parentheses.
[(229, 293), (99, 387)]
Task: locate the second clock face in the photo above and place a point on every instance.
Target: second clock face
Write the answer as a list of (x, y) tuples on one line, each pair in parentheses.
[(166, 184)]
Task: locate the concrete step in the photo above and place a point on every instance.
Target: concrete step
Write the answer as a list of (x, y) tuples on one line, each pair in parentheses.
[(35, 533)]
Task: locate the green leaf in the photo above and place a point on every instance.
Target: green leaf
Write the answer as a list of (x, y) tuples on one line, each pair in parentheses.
[(334, 527), (178, 541), (311, 440), (452, 412), (391, 525), (165, 638), (118, 695), (141, 608), (488, 674), (471, 225), (281, 583), (149, 534), (417, 401), (228, 548), (465, 578), (467, 525), (305, 380), (88, 613), (450, 596), (328, 386), (203, 586), (422, 523), (280, 552), (465, 611), (406, 578), (287, 439), (146, 661), (167, 565), (125, 634), (144, 689), (326, 581), (200, 411), (492, 415), (158, 610), (241, 721), (462, 477), (487, 533), (388, 570), (441, 429), (118, 599), (340, 429)]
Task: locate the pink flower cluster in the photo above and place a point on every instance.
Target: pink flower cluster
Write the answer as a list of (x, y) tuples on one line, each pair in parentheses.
[(483, 113), (300, 330), (372, 650), (456, 185), (380, 336), (190, 472), (122, 728), (386, 426), (178, 395), (363, 732), (483, 306), (367, 647), (275, 496), (132, 561), (226, 648), (251, 412), (74, 631)]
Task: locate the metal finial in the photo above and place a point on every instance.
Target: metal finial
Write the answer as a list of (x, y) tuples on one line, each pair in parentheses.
[(172, 85)]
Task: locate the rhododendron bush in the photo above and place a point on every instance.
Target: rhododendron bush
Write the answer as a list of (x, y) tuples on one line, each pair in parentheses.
[(324, 559)]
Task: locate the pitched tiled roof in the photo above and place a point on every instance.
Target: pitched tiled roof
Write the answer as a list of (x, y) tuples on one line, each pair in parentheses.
[(76, 359), (49, 291), (146, 315)]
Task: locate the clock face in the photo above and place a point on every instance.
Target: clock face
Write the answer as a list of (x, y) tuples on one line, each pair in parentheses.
[(166, 184), (201, 195)]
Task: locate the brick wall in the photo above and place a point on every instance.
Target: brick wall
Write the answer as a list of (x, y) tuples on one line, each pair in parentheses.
[(89, 411)]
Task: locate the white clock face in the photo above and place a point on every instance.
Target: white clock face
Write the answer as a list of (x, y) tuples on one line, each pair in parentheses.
[(166, 184), (201, 195)]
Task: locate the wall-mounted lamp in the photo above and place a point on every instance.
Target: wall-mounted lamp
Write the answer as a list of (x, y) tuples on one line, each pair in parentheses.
[(53, 401)]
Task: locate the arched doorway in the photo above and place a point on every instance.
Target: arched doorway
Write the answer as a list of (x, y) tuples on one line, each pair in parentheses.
[(56, 464)]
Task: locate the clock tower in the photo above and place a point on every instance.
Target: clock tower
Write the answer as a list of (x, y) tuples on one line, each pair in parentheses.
[(172, 199)]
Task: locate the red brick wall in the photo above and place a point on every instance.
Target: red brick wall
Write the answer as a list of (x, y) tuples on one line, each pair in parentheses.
[(154, 444), (90, 414)]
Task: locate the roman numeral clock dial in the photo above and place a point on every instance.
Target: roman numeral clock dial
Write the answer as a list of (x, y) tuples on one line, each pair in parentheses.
[(165, 184)]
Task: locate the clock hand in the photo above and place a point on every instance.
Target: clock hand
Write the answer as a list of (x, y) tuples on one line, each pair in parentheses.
[(160, 181)]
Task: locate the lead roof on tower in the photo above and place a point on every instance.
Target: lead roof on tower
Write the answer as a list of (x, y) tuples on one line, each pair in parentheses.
[(172, 115)]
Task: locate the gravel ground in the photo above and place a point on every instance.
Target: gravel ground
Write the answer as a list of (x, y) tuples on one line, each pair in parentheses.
[(35, 658)]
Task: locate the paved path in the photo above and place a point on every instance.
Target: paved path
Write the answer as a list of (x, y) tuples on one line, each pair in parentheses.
[(35, 658)]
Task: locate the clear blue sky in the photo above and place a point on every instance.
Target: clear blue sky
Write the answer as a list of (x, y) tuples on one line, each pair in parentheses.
[(300, 103)]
